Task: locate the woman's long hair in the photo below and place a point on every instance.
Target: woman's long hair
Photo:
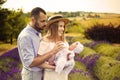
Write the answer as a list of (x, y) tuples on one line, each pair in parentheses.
[(52, 33)]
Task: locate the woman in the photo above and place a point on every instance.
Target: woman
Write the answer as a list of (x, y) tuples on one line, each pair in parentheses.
[(55, 33)]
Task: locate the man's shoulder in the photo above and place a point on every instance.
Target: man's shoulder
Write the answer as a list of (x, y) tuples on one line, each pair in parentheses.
[(24, 34)]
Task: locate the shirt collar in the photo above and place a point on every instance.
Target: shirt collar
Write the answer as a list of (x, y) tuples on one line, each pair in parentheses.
[(33, 30)]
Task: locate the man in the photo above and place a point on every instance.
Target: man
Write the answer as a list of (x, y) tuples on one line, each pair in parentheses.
[(28, 44)]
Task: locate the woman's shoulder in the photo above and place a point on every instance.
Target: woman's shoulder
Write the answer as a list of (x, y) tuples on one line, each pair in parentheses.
[(46, 40)]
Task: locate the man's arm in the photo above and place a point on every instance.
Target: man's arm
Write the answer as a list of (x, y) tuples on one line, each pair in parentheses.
[(46, 66)]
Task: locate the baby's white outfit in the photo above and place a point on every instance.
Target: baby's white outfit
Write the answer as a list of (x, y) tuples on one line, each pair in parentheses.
[(61, 58)]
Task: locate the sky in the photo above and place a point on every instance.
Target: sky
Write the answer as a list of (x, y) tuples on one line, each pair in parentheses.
[(108, 6)]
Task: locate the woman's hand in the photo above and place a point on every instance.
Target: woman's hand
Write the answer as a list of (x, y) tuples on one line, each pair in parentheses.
[(58, 46)]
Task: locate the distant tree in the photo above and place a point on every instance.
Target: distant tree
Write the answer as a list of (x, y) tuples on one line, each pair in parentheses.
[(15, 22), (97, 16), (11, 23), (90, 15), (2, 2), (3, 28)]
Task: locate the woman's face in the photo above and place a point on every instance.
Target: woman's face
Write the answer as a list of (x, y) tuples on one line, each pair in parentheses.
[(61, 28)]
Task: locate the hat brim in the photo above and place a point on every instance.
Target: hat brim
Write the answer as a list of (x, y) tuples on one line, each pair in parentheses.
[(52, 21)]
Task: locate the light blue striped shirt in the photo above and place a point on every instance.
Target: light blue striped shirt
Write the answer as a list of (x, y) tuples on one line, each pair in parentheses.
[(28, 45)]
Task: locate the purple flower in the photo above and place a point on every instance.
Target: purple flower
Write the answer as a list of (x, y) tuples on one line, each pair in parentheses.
[(10, 69), (90, 60), (78, 58), (76, 71), (12, 54)]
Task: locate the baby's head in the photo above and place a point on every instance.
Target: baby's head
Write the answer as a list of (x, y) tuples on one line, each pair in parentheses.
[(77, 47), (73, 46)]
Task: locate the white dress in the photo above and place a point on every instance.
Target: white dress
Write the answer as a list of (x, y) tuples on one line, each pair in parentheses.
[(61, 61), (50, 74)]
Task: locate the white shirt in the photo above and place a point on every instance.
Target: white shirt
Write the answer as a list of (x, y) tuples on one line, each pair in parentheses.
[(28, 44)]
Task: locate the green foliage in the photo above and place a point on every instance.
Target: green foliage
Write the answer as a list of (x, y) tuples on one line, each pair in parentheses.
[(83, 40), (10, 65), (16, 22), (80, 65), (69, 14), (101, 32), (11, 24), (75, 27), (2, 1), (107, 50), (3, 28), (107, 69), (5, 47), (78, 76), (72, 39), (87, 51)]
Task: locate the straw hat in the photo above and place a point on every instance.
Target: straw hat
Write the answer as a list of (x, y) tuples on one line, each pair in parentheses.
[(56, 18)]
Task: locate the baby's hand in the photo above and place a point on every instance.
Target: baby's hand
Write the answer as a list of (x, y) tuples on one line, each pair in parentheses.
[(68, 56)]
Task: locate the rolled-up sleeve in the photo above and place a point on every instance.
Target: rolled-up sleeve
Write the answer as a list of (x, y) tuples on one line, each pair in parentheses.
[(27, 50)]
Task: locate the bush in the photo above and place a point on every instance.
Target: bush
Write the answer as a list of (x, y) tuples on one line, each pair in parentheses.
[(87, 51), (101, 32), (109, 50), (107, 68)]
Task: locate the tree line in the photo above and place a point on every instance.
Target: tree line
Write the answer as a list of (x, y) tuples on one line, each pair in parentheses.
[(11, 23)]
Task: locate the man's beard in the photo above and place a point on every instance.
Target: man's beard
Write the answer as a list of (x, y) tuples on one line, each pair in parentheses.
[(37, 27)]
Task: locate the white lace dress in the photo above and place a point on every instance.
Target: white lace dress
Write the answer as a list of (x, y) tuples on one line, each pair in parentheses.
[(56, 74)]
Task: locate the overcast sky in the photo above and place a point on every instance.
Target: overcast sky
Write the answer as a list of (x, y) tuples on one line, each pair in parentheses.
[(110, 6)]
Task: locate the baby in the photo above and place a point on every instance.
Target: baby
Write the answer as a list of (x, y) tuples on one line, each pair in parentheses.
[(64, 59)]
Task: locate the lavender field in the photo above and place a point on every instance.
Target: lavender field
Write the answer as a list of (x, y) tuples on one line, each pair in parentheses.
[(10, 65), (98, 61)]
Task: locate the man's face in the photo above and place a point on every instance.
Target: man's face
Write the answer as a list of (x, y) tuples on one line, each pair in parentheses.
[(40, 23)]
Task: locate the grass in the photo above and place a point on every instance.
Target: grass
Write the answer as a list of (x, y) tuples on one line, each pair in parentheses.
[(104, 19), (74, 34), (4, 47)]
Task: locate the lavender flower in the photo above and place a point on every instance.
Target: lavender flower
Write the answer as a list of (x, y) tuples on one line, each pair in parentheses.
[(90, 60), (9, 66), (78, 58), (12, 53), (76, 71)]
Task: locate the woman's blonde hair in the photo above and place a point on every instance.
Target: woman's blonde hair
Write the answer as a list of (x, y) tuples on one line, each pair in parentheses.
[(52, 33)]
